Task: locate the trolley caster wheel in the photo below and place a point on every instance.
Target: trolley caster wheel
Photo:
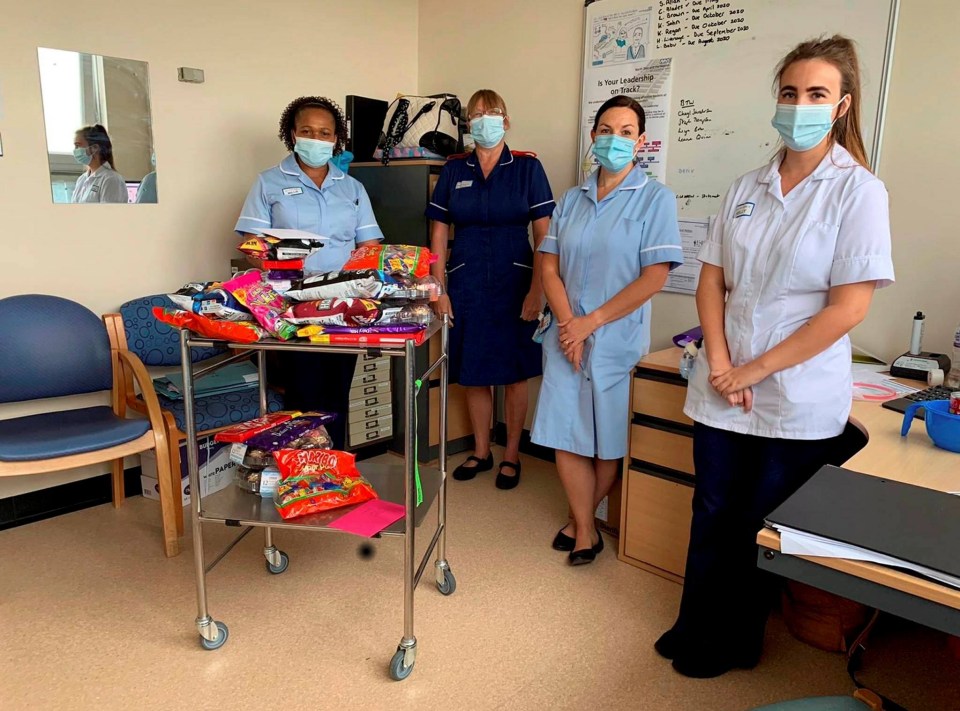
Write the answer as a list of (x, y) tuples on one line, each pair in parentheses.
[(221, 639), (449, 584), (398, 672), (277, 569)]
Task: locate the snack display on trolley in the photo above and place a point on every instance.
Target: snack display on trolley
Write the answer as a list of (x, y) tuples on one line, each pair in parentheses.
[(382, 295)]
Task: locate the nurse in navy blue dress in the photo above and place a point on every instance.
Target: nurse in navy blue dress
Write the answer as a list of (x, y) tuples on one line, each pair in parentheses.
[(491, 196)]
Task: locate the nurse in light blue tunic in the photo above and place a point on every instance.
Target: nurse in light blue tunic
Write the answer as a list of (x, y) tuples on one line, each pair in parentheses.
[(611, 244)]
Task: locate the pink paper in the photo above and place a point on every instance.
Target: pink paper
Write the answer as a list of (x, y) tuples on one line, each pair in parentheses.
[(370, 518)]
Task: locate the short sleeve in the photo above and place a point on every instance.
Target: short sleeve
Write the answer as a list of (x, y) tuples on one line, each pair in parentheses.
[(255, 215), (541, 199), (439, 206), (368, 229), (863, 251), (660, 242), (550, 243), (114, 189), (711, 251)]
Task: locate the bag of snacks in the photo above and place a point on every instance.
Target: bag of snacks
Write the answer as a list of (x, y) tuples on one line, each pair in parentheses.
[(210, 300), (234, 331), (314, 480), (245, 430), (281, 436), (396, 259), (264, 303), (336, 312), (268, 247)]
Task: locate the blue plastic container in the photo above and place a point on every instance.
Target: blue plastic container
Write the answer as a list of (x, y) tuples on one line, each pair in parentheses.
[(942, 427)]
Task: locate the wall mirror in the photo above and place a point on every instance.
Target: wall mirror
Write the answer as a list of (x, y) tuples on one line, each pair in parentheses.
[(96, 111)]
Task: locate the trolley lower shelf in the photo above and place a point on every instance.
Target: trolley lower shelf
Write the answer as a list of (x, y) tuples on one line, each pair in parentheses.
[(235, 507)]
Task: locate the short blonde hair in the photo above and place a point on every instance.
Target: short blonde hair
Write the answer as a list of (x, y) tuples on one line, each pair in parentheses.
[(490, 99)]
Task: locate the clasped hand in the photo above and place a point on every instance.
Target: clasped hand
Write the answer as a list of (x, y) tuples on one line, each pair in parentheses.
[(736, 384), (572, 334)]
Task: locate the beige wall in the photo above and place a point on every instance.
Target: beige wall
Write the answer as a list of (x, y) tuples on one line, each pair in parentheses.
[(530, 53), (128, 116), (211, 138)]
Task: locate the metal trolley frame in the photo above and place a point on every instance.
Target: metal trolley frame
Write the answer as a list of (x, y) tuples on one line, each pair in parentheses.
[(233, 507)]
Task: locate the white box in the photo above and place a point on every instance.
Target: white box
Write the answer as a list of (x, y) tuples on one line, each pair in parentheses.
[(216, 470)]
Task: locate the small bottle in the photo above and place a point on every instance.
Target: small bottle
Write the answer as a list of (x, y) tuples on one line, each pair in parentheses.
[(953, 377), (688, 359)]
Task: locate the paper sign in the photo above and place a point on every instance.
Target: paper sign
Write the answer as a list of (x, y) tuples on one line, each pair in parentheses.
[(370, 518)]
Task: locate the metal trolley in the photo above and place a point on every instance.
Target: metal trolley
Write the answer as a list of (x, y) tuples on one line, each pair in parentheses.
[(393, 482)]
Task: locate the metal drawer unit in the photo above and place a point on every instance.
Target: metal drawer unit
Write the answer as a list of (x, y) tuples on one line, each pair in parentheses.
[(370, 414)]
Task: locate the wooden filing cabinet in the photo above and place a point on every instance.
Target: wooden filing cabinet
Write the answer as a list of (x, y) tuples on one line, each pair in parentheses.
[(658, 474)]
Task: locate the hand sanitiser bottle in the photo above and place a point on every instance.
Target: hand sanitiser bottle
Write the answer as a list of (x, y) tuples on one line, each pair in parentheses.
[(953, 377)]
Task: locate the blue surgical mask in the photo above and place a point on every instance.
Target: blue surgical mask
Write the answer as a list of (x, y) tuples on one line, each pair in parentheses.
[(487, 131), (804, 126), (313, 152), (614, 152), (82, 156)]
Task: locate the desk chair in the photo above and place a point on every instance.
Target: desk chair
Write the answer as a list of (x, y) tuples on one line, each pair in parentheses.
[(53, 347), (862, 700), (134, 329)]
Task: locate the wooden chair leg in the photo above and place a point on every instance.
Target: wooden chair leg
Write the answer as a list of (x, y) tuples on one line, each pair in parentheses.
[(175, 469), (116, 474), (168, 495)]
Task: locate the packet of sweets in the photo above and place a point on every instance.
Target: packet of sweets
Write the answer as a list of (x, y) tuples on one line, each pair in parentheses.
[(264, 303)]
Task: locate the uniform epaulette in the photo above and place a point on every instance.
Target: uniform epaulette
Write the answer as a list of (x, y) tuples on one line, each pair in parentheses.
[(455, 156), (524, 154)]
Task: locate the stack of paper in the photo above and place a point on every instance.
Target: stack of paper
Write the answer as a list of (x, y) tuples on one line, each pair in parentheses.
[(794, 542), (230, 378)]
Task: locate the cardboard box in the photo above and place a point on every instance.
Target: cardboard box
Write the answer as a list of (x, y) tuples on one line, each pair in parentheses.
[(216, 470)]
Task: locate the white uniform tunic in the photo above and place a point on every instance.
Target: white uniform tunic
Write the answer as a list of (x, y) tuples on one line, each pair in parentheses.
[(102, 185), (780, 257)]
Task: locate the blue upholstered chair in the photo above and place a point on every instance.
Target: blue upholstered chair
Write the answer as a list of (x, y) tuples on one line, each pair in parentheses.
[(52, 347), (862, 700), (157, 344)]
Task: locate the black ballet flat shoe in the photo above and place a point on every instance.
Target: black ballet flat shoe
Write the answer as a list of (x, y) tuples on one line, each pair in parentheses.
[(668, 646), (508, 482), (563, 542), (587, 555), (699, 666), (465, 473)]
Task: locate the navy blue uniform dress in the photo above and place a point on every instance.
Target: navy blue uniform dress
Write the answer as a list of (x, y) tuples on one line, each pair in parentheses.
[(491, 264)]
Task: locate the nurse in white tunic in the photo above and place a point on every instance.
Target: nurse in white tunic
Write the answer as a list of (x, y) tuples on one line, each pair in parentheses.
[(611, 243), (99, 182), (789, 268)]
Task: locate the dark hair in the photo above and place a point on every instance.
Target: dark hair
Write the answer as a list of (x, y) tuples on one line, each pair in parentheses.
[(841, 52), (622, 101), (96, 135), (288, 120)]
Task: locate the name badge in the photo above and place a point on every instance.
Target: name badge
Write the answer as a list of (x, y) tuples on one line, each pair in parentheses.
[(293, 191), (744, 209), (464, 184)]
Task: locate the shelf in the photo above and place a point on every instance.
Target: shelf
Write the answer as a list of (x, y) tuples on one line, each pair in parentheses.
[(272, 344), (247, 509)]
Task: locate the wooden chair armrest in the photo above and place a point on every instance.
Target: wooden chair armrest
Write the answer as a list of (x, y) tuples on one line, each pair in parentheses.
[(153, 411)]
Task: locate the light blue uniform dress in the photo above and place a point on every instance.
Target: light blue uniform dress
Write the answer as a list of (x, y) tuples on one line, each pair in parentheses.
[(284, 197), (603, 247)]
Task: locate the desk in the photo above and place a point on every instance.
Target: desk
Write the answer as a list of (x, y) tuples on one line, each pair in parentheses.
[(655, 515), (912, 460)]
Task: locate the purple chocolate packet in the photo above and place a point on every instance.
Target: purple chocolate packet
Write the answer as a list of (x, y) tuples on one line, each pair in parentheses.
[(691, 336), (380, 328), (286, 432)]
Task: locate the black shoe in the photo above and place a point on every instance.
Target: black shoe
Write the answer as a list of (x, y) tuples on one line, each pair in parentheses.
[(668, 646), (563, 542), (508, 482), (465, 473), (587, 555), (701, 666)]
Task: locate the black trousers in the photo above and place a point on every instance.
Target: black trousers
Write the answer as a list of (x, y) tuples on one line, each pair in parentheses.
[(740, 479), (317, 381)]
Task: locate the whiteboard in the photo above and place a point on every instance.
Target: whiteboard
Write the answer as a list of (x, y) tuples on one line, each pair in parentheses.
[(720, 56)]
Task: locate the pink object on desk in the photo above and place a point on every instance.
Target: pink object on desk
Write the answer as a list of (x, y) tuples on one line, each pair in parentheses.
[(370, 518)]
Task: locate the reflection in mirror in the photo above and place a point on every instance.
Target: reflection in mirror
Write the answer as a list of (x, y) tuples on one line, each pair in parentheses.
[(96, 111)]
